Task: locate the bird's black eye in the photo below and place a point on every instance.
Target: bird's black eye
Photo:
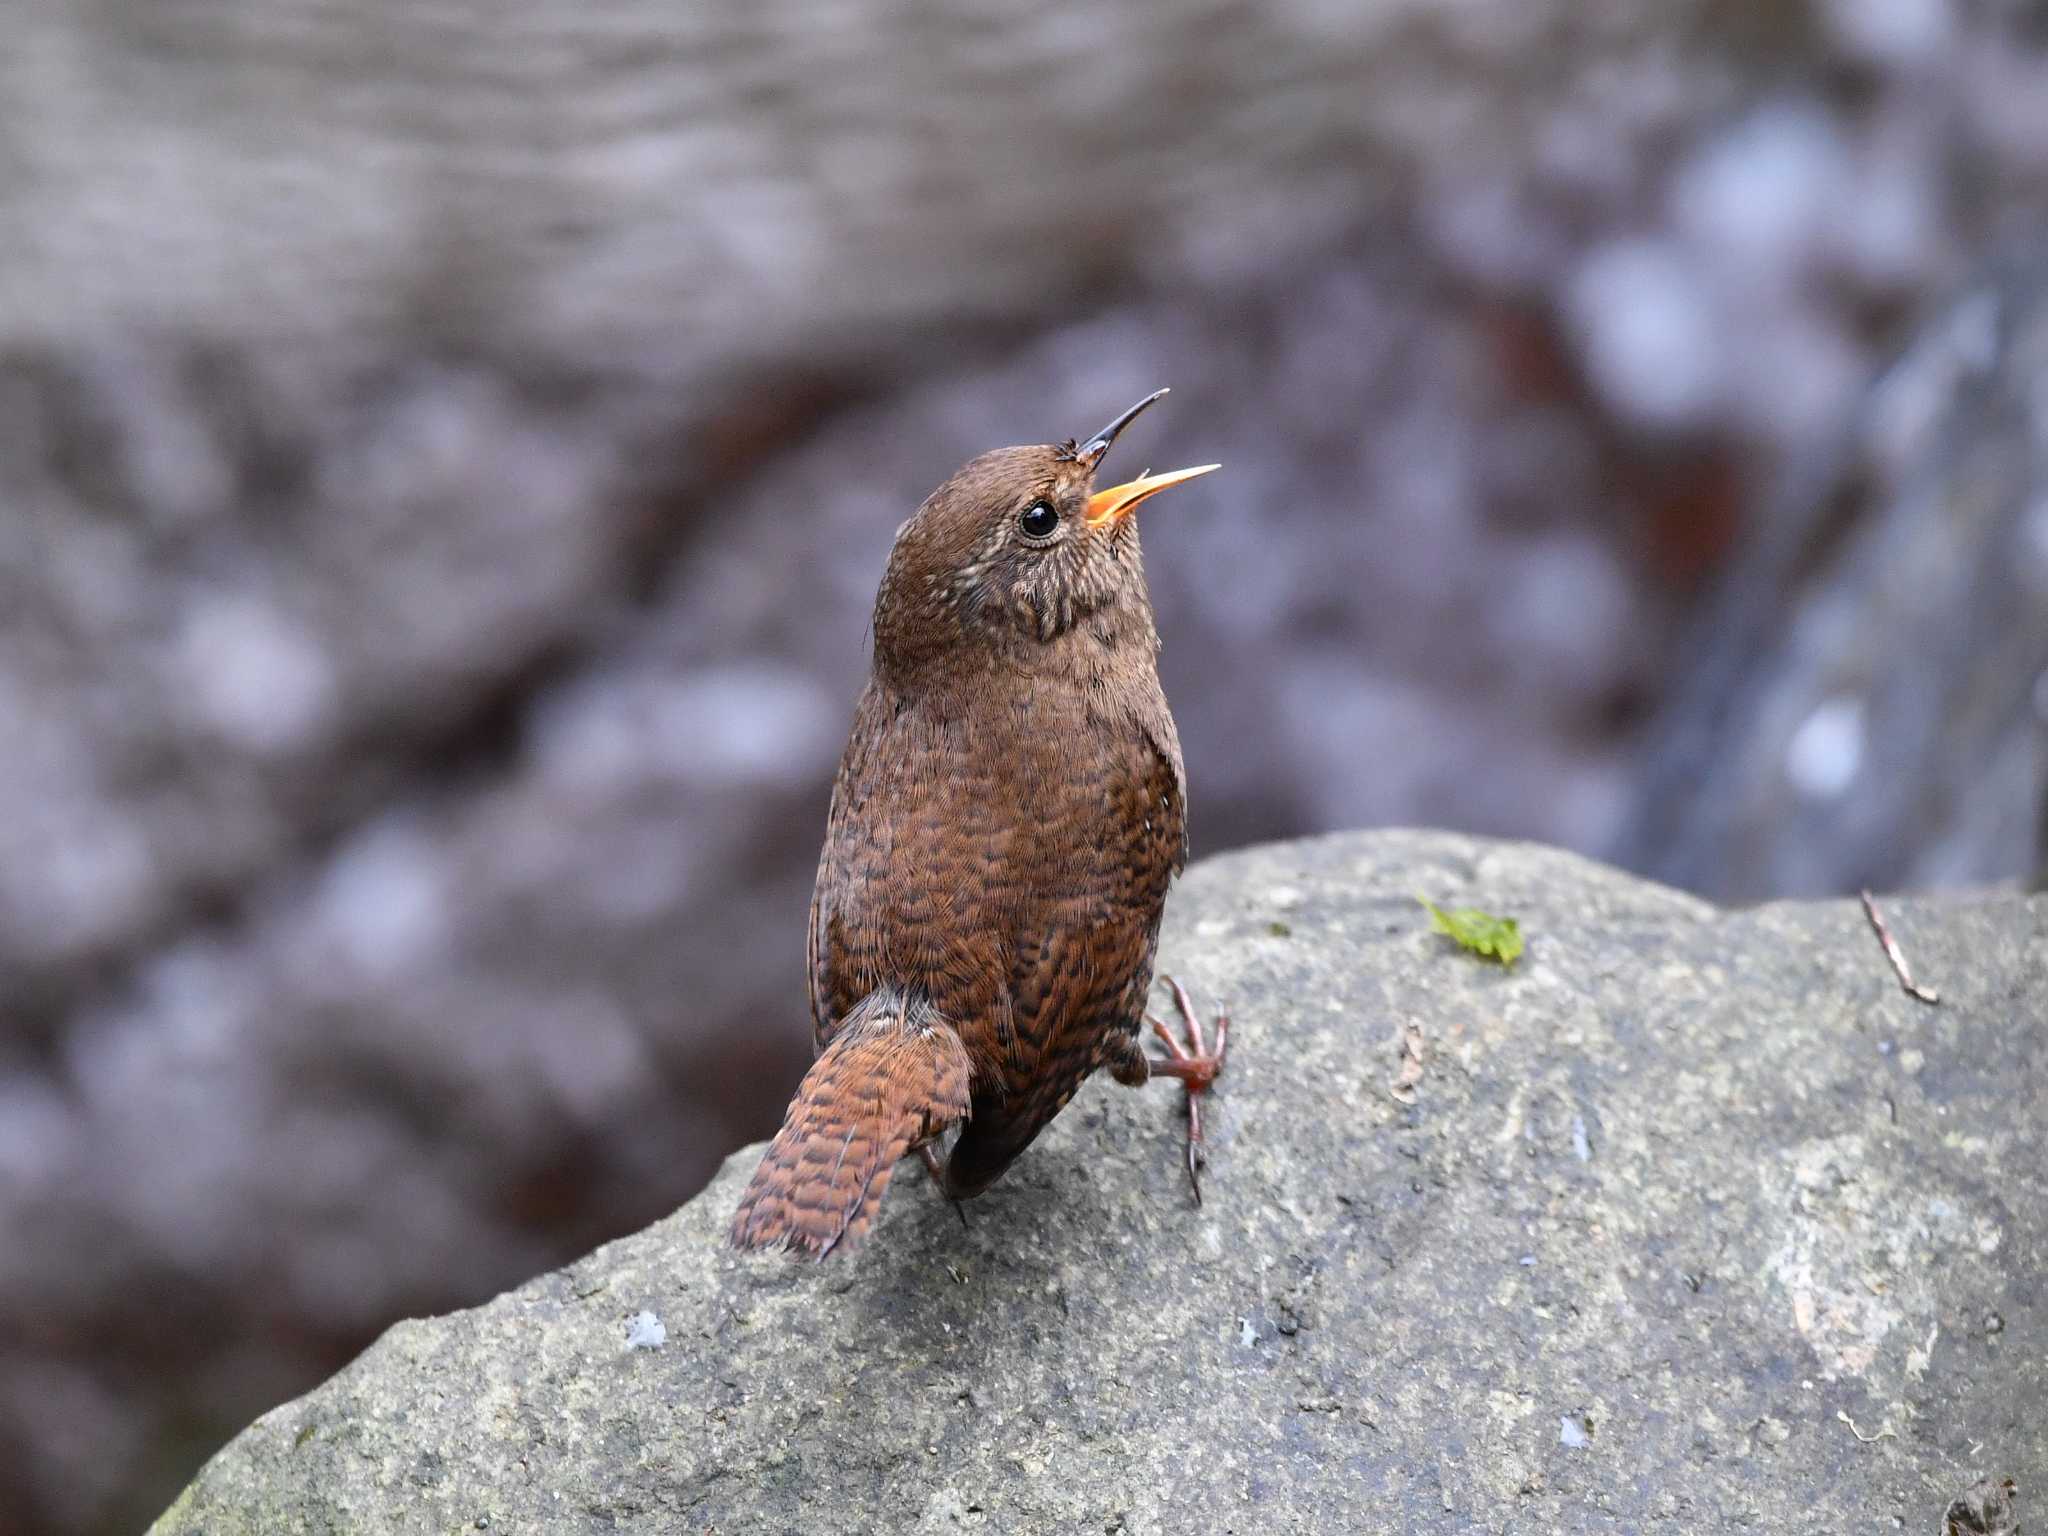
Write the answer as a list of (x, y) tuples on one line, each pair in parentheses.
[(1038, 520)]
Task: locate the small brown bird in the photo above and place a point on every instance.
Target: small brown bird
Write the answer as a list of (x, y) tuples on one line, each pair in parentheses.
[(1008, 813)]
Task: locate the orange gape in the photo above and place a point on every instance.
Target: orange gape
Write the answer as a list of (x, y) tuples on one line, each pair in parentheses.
[(1008, 814)]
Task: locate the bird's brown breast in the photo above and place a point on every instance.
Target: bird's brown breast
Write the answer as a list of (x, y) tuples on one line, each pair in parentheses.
[(1006, 854)]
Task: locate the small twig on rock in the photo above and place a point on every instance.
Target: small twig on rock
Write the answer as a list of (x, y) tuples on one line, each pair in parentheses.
[(1866, 1439), (1894, 954), (1402, 1088)]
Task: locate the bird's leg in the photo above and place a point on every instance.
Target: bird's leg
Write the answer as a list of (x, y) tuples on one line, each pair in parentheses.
[(928, 1155), (1194, 1064)]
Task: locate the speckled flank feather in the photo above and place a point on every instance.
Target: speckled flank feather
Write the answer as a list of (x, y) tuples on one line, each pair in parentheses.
[(894, 1075)]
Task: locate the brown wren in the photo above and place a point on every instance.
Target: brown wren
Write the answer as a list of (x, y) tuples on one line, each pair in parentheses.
[(1008, 813)]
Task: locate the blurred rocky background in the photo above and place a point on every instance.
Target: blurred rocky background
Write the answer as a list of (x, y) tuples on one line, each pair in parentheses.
[(446, 455)]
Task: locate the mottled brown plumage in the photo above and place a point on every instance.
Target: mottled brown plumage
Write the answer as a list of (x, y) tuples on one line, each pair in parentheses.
[(1009, 811)]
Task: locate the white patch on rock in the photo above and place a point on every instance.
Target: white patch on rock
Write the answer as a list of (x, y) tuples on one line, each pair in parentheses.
[(1857, 1260), (1826, 752), (383, 906), (1765, 195), (645, 1331), (1646, 326), (254, 677)]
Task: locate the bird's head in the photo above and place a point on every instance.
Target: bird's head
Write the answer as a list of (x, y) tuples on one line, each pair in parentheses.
[(1016, 551)]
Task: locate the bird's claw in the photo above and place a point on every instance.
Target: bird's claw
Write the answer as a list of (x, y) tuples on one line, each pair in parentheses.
[(1195, 1066)]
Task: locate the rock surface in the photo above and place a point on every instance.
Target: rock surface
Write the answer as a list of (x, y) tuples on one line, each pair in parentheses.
[(1695, 1218)]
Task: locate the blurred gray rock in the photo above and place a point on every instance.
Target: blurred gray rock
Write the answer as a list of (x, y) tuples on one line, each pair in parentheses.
[(1866, 702), (349, 360), (445, 459), (1696, 1218)]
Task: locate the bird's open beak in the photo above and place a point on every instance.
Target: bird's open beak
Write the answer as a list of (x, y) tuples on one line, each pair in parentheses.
[(1110, 507), (1113, 505)]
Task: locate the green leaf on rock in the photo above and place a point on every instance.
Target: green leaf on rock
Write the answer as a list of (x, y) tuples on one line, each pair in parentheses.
[(1495, 938)]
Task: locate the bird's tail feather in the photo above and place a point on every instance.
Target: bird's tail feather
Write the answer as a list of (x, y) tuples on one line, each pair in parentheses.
[(894, 1076)]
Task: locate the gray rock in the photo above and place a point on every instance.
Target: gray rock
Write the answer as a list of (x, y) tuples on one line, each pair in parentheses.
[(1696, 1218), (1866, 701)]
